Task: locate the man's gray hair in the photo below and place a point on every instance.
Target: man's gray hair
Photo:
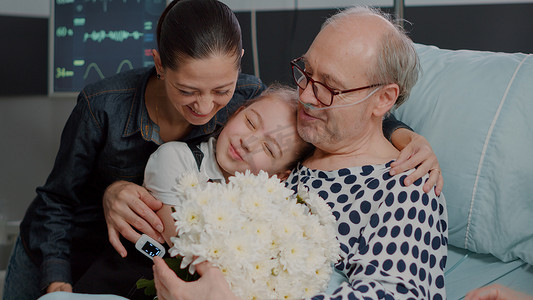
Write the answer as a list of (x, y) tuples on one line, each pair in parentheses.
[(396, 60)]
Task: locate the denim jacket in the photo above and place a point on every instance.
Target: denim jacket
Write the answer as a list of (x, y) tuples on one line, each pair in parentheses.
[(108, 137)]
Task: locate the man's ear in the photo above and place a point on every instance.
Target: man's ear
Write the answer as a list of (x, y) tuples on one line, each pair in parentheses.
[(386, 99), (284, 174)]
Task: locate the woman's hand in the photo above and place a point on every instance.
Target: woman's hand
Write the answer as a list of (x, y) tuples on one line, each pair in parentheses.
[(211, 285), (59, 287), (416, 152), (496, 292), (125, 205)]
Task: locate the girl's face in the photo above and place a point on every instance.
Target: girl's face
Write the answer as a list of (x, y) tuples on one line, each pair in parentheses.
[(199, 88), (261, 136)]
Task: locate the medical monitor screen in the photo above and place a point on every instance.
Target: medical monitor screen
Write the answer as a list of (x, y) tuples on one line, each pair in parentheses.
[(94, 39)]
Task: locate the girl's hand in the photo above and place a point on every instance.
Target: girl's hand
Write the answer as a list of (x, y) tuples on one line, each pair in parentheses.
[(416, 152)]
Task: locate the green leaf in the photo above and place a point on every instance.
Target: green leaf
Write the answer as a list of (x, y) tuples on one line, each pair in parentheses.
[(174, 264), (147, 285)]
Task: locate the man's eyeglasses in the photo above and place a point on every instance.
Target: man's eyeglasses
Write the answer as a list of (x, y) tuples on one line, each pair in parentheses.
[(323, 93)]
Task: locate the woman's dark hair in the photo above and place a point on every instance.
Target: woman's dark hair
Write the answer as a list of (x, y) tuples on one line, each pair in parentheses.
[(197, 29)]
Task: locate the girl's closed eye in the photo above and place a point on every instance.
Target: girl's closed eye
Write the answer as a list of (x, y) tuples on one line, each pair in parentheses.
[(250, 123), (268, 150)]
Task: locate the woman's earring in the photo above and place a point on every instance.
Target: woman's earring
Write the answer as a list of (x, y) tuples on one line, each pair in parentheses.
[(158, 76)]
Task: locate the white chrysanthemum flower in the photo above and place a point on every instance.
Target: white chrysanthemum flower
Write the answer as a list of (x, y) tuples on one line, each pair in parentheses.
[(254, 204), (286, 229), (288, 286), (243, 250), (202, 197), (293, 255), (297, 211), (274, 186), (309, 291), (230, 194), (262, 269), (190, 180), (303, 191), (244, 179), (266, 244), (262, 230), (315, 257), (187, 217), (214, 246), (319, 207), (222, 216), (254, 291), (322, 276)]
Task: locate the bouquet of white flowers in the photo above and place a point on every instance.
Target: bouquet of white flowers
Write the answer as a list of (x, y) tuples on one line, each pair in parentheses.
[(268, 242)]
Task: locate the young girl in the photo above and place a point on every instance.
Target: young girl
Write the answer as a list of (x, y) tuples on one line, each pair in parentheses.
[(260, 136)]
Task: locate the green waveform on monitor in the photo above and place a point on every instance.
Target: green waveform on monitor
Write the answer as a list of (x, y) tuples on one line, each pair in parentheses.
[(117, 36), (96, 68)]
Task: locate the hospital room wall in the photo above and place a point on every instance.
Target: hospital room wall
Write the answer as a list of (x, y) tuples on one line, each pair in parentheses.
[(31, 121)]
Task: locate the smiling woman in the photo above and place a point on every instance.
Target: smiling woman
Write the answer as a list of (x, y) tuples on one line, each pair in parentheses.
[(192, 94)]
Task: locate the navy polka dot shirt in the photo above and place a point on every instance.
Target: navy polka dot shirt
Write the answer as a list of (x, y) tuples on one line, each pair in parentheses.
[(393, 238)]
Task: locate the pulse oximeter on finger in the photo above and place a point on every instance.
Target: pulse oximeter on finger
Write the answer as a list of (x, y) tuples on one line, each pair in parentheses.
[(149, 247)]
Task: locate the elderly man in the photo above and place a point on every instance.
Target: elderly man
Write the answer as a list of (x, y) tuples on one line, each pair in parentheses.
[(393, 237)]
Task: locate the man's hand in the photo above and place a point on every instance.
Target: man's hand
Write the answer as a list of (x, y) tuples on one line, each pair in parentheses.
[(127, 205), (211, 285), (416, 152), (59, 287)]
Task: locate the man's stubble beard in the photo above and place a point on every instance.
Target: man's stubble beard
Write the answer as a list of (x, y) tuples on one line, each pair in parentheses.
[(311, 134)]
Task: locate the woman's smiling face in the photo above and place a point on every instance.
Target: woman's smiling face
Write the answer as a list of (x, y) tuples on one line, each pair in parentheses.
[(199, 88)]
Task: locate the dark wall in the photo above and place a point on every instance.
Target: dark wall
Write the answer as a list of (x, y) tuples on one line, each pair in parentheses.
[(24, 56), (505, 28), (284, 35)]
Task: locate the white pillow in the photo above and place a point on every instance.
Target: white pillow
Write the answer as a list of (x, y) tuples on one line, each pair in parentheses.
[(476, 110)]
